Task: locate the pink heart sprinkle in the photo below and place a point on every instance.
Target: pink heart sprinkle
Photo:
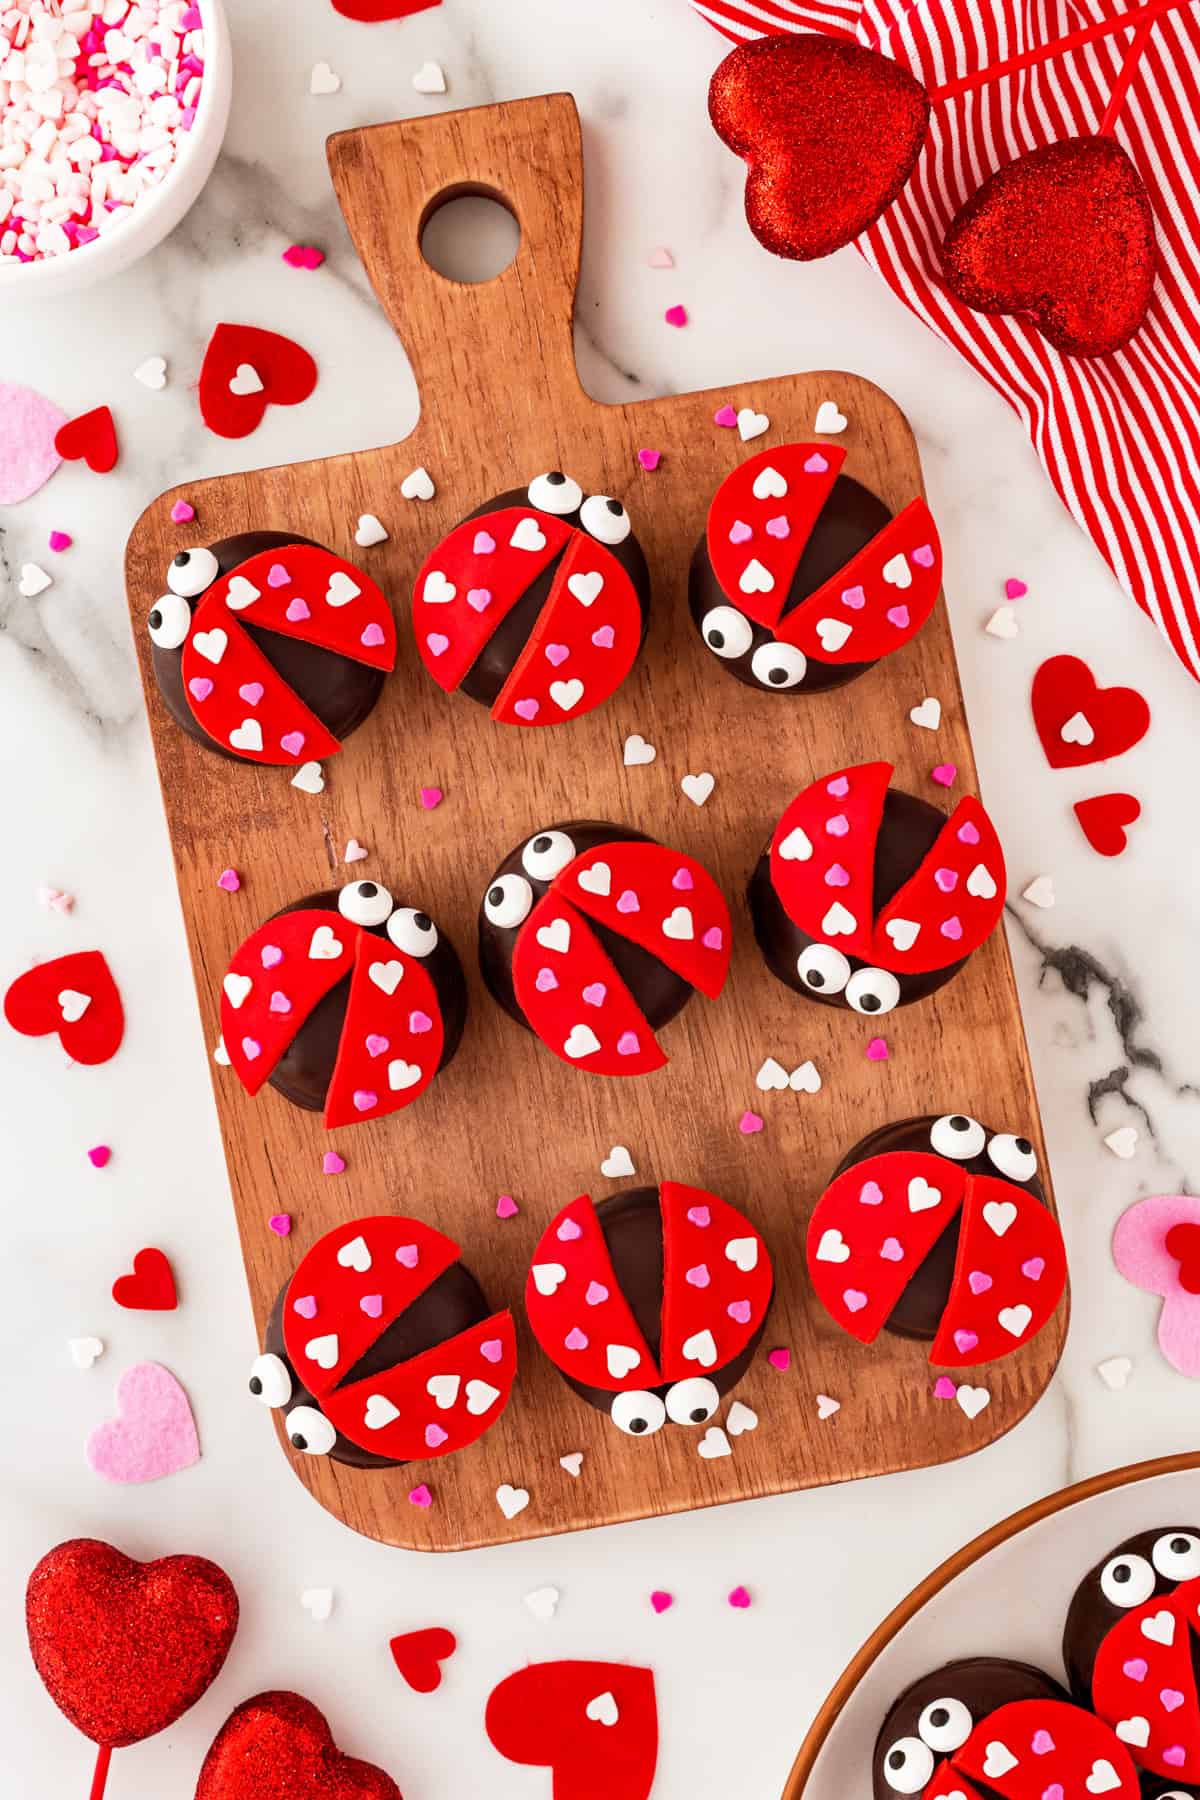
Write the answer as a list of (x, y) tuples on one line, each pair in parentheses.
[(627, 1044), (816, 464), (660, 1600), (870, 1194), (965, 1340), (1171, 1698), (431, 797), (372, 637), (739, 1311), (923, 557), (408, 1256), (892, 1250), (677, 316), (699, 1216), (200, 687), (298, 610), (749, 1123), (780, 1359), (836, 876), (1042, 1743), (855, 1299), (569, 1232), (595, 993), (292, 742), (698, 1277), (230, 880), (682, 879), (877, 1050), (419, 1023), (740, 1598), (605, 638), (944, 1388), (649, 459), (60, 540), (435, 1437), (575, 1339), (725, 416), (364, 1099), (303, 256), (1053, 1792), (437, 643), (251, 692), (838, 826), (854, 598), (713, 938), (306, 1306), (1136, 1668), (596, 1294), (491, 1350), (838, 788), (251, 1049), (546, 981), (1176, 1755), (332, 1163), (277, 576), (372, 1305), (945, 774), (557, 654), (98, 1155), (968, 833), (506, 1207), (778, 528), (978, 1281), (479, 599), (484, 543), (947, 879), (526, 709), (279, 1003), (420, 1496), (183, 512), (900, 617), (740, 532), (952, 928), (376, 1045), (628, 902), (1034, 1268), (271, 956), (1015, 588)]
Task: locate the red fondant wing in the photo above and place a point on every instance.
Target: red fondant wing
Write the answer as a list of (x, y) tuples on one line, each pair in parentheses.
[(286, 981), (304, 592), (391, 1043), (353, 1284), (953, 902), (658, 898), (823, 856), (717, 1282), (878, 601), (583, 645), (75, 996), (570, 992), (1009, 1274), (872, 1229), (436, 1403), (760, 520), (1145, 1677), (1030, 1748), (540, 1716), (473, 579), (237, 696), (577, 1311)]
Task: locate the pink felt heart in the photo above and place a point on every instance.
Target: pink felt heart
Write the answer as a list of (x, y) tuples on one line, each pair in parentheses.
[(29, 424), (153, 1434)]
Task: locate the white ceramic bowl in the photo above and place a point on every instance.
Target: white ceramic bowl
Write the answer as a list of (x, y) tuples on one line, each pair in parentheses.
[(160, 211)]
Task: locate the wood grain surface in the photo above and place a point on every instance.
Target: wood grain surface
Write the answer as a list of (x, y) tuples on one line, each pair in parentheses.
[(501, 402)]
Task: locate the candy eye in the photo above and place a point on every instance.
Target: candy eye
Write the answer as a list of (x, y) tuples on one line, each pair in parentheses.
[(555, 493), (823, 969), (1177, 1556), (958, 1137), (638, 1414), (1013, 1156), (270, 1381), (873, 991), (605, 519), (908, 1766), (727, 631), (413, 931), (945, 1725), (779, 665), (507, 902), (692, 1402), (546, 855), (365, 903), (1127, 1580), (310, 1431), (192, 571), (169, 622)]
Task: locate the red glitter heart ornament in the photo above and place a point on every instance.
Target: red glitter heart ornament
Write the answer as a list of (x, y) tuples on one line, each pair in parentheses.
[(245, 370), (1065, 233), (1104, 817), (595, 1724), (279, 1747), (125, 1648), (829, 132)]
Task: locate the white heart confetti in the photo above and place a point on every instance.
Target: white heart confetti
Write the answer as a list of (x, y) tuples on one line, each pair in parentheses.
[(638, 752), (829, 421), (247, 380), (247, 736), (341, 589), (903, 932), (418, 485), (972, 1400), (1040, 891), (921, 1196), (323, 946), (323, 1351), (528, 536), (833, 633), (586, 588), (380, 1411), (370, 532), (896, 571), (680, 925), (714, 1443), (769, 484), (597, 879), (826, 1406), (309, 779), (317, 1603), (511, 1500), (1115, 1371), (603, 1709), (386, 976), (323, 80), (622, 1360), (211, 645), (152, 373), (236, 988), (755, 579), (1159, 1628), (999, 1215), (698, 788), (72, 1004), (741, 1418), (543, 1602), (928, 715), (701, 1348), (438, 591), (443, 1390), (241, 593), (1103, 1778), (1003, 623), (617, 1163), (998, 1759), (1123, 1142), (572, 1463), (555, 936), (430, 79), (833, 1247), (796, 846), (806, 1079), (402, 1075), (566, 694), (548, 1277), (1015, 1319), (84, 1351), (355, 1255), (1078, 730), (751, 424), (742, 1253), (772, 1077), (980, 884), (481, 1397)]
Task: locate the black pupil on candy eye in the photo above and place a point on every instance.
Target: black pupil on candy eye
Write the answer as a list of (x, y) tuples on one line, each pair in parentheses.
[(717, 639), (541, 844), (367, 889), (615, 507), (870, 1003), (422, 921), (816, 979), (896, 1759), (958, 1123), (556, 478), (183, 559), (698, 1415), (155, 620), (777, 676), (1180, 1546), (1024, 1146), (939, 1717), (495, 896), (255, 1385), (1122, 1572), (299, 1443), (637, 1425)]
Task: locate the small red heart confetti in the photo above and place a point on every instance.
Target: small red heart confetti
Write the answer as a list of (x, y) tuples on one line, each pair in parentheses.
[(780, 1358), (676, 315), (303, 256), (183, 512), (230, 880), (420, 1496), (749, 1123), (150, 1288), (332, 1163), (740, 1598), (91, 438), (661, 1601), (1015, 588), (431, 797), (506, 1207), (60, 540), (99, 1155), (946, 774), (280, 1223), (650, 459), (1104, 818), (877, 1050), (419, 1656)]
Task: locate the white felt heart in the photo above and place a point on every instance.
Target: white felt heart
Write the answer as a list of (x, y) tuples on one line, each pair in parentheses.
[(211, 645), (323, 946), (355, 1255), (972, 1400), (543, 1603), (566, 694), (796, 846), (34, 581), (714, 1443), (511, 1500), (833, 633), (402, 1075), (755, 579), (241, 593), (701, 1348), (341, 589), (596, 879), (699, 787), (741, 1418), (380, 1412), (829, 421), (481, 1396), (743, 1253), (152, 373), (587, 587), (928, 715), (751, 424), (772, 1077), (1078, 730), (323, 1351), (617, 1163), (386, 976), (903, 932), (247, 380), (998, 1215), (528, 536), (833, 1247), (309, 779), (622, 1360), (443, 1390), (418, 485), (638, 752), (980, 883), (247, 736), (548, 1278), (555, 936), (603, 1709), (680, 925), (370, 532), (72, 1004), (236, 988), (438, 591), (769, 484)]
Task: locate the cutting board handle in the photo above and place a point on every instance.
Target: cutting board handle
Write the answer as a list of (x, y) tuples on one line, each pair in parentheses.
[(507, 342)]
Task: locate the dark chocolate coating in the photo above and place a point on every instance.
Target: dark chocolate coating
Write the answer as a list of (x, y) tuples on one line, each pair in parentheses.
[(909, 830), (496, 661), (981, 1683), (851, 517), (918, 1312), (304, 1071), (1091, 1615), (632, 1226), (450, 1305), (659, 992), (1161, 1787), (339, 691)]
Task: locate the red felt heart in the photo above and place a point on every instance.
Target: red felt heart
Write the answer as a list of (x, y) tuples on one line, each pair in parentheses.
[(151, 1287), (125, 1647), (279, 1747), (1099, 722), (287, 373), (541, 1716), (1183, 1243), (369, 11), (1104, 818), (92, 438), (419, 1656), (1065, 233), (75, 996), (829, 132)]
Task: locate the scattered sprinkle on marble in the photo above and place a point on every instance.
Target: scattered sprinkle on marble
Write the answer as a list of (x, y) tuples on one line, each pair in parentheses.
[(946, 774), (100, 1155), (637, 751), (431, 797), (506, 1207), (280, 1224), (698, 788), (649, 459), (543, 1603), (418, 485), (317, 1603), (323, 80), (420, 1496), (677, 316), (1115, 1371), (740, 1598), (1040, 891), (1003, 623), (152, 373), (572, 1463), (230, 880), (309, 778), (355, 852), (430, 78), (54, 900), (85, 1351), (661, 1601), (332, 1163), (829, 421), (183, 512), (877, 1050), (1015, 588), (617, 1163), (34, 580), (780, 1358), (827, 1406), (59, 541), (1123, 1142), (370, 531), (661, 259), (749, 1123), (303, 256), (928, 715)]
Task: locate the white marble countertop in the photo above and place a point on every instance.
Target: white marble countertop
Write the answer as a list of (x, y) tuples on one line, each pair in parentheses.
[(1107, 977)]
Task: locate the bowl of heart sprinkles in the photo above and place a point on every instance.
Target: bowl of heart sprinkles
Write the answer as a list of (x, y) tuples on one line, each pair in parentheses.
[(112, 114)]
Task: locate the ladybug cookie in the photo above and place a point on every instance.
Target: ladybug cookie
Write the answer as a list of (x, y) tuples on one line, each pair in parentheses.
[(934, 1717), (536, 605), (382, 1349), (869, 897), (269, 648), (594, 936), (1132, 1646), (345, 1003), (651, 1304), (937, 1229), (1036, 1748), (803, 579)]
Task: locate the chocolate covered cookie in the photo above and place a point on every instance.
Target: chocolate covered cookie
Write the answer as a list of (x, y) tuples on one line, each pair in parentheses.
[(933, 1718)]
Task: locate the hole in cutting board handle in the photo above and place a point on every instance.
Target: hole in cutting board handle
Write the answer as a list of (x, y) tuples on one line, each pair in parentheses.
[(469, 234)]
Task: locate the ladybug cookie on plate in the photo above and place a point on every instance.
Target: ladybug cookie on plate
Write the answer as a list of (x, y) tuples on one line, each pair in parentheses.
[(536, 605), (1036, 1748), (869, 897), (803, 580), (345, 1003), (651, 1304), (269, 648), (382, 1349), (594, 937), (938, 1229), (934, 1717)]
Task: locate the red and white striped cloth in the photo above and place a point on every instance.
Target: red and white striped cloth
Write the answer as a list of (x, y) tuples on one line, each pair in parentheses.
[(1118, 435)]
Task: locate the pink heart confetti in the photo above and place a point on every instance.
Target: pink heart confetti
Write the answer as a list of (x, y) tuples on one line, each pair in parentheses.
[(569, 1232), (968, 833), (251, 692), (303, 256), (419, 1023), (740, 1597), (838, 788), (595, 993), (153, 1434), (365, 1099), (306, 1306), (332, 1163), (1176, 1755), (855, 598), (816, 464), (739, 1311), (749, 1123), (877, 1050), (292, 742), (484, 543), (280, 1224), (376, 1045), (838, 826), (713, 938), (1053, 1792), (55, 900), (372, 1305), (1034, 1268), (604, 638), (946, 879), (650, 459), (200, 687), (372, 637), (923, 557), (230, 880), (726, 417), (60, 540), (183, 512), (271, 956), (700, 1216), (435, 1437), (1042, 1743), (506, 1207), (944, 1388), (945, 774), (576, 1339), (546, 981), (557, 654), (431, 797), (892, 1250), (99, 1155), (491, 1350), (952, 928), (251, 1049), (978, 1281), (740, 532), (438, 643), (855, 1299), (778, 528), (628, 1044), (277, 576), (677, 316), (900, 617), (628, 902), (1171, 1698), (408, 1256), (698, 1277), (965, 1341), (1136, 1668), (479, 599), (420, 1496), (596, 1293), (682, 880), (279, 1003), (780, 1358), (1015, 588), (298, 610), (870, 1194), (836, 876), (527, 709), (661, 1601)]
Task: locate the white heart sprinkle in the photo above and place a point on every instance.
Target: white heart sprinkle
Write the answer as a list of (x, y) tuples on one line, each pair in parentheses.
[(928, 715), (354, 852), (698, 788), (638, 752), (480, 1397), (838, 922), (236, 988), (418, 485), (617, 1163), (241, 593), (1159, 1628), (596, 879), (323, 946), (755, 579), (1115, 1371), (903, 932), (323, 80), (1133, 1731), (34, 580), (796, 846), (309, 779), (980, 884), (1003, 623), (548, 1278), (1103, 1777), (1040, 891), (999, 1215), (72, 1004), (1015, 1319), (833, 1247), (341, 589), (402, 1075), (566, 694), (741, 1418), (806, 1079), (998, 1759), (511, 1500), (714, 1443), (829, 421), (543, 1602), (586, 588), (622, 1360), (572, 1463), (833, 633), (152, 373), (921, 1196), (769, 484), (380, 1411), (355, 1255), (701, 1347), (247, 380), (896, 571), (972, 1400), (443, 1390), (528, 536), (247, 736), (323, 1351), (317, 1603), (386, 976), (211, 645), (221, 1055), (438, 591), (603, 1709), (751, 424), (555, 936), (772, 1077), (1078, 730), (84, 1351), (1123, 1142), (430, 79), (826, 1407), (743, 1253), (680, 925), (370, 531)]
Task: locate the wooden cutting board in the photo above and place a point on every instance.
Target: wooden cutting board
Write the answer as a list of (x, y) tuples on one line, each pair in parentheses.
[(501, 403)]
